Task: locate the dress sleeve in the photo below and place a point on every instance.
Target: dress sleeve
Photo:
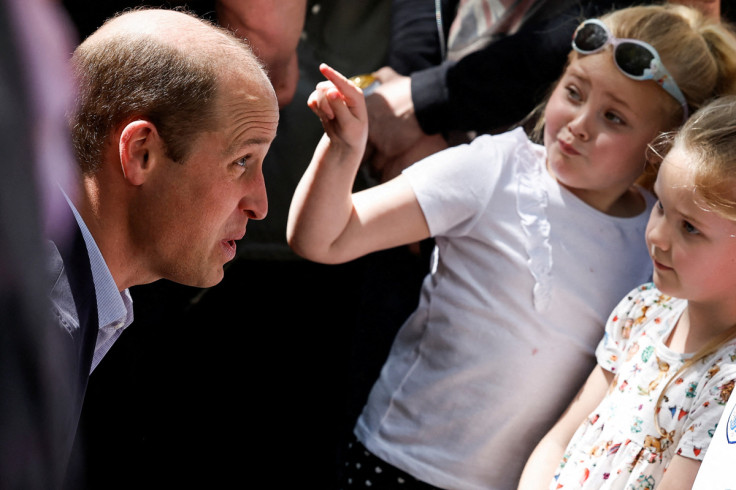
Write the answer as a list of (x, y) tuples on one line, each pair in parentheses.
[(629, 316), (713, 392)]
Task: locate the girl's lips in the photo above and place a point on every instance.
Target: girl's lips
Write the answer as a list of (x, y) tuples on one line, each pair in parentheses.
[(660, 266), (567, 148)]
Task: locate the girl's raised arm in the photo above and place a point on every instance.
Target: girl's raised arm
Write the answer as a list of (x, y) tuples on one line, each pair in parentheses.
[(546, 457), (327, 223)]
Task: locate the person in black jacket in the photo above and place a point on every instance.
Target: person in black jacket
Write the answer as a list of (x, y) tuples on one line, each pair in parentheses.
[(420, 110)]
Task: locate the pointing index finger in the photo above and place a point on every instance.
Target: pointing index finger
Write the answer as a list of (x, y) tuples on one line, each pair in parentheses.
[(349, 91)]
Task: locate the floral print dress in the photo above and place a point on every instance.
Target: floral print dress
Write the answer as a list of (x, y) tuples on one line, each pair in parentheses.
[(619, 446)]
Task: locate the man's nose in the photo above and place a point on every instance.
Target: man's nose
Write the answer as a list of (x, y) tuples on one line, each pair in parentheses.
[(255, 201)]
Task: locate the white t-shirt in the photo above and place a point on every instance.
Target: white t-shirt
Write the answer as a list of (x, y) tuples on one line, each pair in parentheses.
[(525, 275), (717, 471)]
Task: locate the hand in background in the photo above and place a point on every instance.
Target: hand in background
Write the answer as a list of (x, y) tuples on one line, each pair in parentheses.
[(384, 167), (393, 127)]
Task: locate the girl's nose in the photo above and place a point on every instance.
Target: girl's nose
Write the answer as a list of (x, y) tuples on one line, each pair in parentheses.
[(578, 126), (656, 233)]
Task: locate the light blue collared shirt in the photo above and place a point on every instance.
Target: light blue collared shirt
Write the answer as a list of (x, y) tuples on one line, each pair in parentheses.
[(114, 308)]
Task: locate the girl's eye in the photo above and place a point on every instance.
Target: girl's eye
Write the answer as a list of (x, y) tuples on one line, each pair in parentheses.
[(614, 118), (659, 206), (573, 93), (690, 229)]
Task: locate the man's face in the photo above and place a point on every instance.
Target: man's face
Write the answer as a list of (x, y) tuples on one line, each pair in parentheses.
[(196, 210)]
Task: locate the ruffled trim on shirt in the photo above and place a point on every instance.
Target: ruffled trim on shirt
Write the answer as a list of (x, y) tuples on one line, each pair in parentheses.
[(531, 204)]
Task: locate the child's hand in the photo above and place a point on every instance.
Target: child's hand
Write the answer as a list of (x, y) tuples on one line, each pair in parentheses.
[(341, 108)]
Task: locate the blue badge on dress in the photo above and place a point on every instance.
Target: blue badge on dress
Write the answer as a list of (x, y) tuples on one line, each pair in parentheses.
[(731, 427)]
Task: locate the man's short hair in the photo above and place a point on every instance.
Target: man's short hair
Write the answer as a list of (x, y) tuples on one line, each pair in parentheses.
[(125, 77)]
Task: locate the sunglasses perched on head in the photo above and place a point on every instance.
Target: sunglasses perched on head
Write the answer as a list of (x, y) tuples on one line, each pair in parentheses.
[(636, 59)]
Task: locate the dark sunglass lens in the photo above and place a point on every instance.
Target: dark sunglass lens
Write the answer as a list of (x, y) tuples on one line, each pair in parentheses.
[(633, 58), (590, 37)]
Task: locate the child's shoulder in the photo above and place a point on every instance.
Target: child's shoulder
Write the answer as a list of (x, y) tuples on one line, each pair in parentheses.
[(510, 140), (644, 297), (645, 312), (486, 156), (513, 149), (643, 305)]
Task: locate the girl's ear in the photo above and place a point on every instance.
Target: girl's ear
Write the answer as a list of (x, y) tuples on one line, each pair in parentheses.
[(139, 145)]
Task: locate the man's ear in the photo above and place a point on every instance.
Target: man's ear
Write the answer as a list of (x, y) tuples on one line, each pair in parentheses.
[(139, 148)]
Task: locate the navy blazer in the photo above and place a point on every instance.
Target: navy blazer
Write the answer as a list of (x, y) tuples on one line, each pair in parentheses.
[(75, 313)]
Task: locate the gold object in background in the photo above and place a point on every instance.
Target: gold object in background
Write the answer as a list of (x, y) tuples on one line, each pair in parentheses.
[(364, 80), (367, 82)]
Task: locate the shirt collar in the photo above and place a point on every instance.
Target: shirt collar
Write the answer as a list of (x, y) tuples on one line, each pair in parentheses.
[(114, 308)]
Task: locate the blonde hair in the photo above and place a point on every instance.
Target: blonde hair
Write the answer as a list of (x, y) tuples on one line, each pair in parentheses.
[(708, 139), (699, 53)]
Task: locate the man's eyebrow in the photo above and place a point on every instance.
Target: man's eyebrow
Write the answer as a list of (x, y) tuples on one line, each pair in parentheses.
[(237, 145)]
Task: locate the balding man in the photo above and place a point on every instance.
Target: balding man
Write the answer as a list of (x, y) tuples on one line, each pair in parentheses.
[(173, 120)]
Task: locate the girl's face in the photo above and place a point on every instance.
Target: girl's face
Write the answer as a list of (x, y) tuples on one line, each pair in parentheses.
[(598, 122), (693, 249)]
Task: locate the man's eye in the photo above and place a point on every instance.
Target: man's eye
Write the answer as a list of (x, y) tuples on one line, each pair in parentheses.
[(243, 162)]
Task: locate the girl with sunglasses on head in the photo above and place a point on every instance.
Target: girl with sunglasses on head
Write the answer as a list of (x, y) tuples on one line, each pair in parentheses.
[(667, 364), (534, 247)]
